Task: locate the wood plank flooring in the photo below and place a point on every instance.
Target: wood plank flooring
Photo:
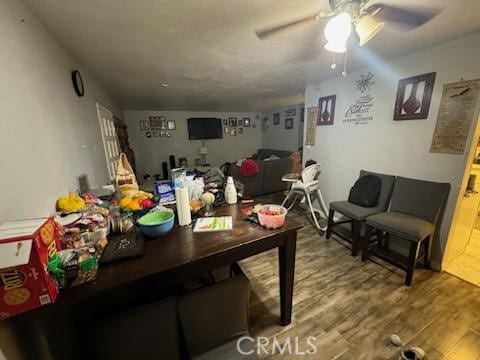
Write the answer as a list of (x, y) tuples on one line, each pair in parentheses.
[(351, 308)]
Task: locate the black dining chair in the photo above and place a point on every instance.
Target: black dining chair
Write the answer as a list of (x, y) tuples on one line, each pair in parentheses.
[(415, 212), (357, 214)]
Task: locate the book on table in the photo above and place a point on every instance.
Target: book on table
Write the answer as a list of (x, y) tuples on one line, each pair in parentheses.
[(216, 223)]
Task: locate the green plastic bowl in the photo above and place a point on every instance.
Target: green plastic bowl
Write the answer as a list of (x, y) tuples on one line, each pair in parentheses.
[(156, 223)]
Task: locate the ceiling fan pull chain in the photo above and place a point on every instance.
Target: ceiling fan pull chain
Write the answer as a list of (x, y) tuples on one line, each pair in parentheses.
[(334, 62), (344, 72)]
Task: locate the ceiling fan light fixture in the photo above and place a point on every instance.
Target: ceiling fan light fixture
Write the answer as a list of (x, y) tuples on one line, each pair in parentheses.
[(336, 47), (367, 27), (337, 31)]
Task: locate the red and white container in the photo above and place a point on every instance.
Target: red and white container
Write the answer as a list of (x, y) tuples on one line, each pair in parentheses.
[(26, 246)]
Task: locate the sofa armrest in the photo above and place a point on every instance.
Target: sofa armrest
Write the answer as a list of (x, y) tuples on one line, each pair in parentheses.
[(274, 171)]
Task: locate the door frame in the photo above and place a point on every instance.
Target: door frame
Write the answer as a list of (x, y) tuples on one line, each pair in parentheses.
[(474, 140)]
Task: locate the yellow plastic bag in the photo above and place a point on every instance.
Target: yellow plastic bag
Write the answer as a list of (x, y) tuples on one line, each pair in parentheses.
[(125, 181)]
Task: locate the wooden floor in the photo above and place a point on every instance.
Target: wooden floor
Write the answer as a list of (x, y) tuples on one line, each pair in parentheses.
[(351, 308)]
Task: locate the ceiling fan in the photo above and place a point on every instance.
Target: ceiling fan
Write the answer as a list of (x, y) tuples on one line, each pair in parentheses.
[(367, 21)]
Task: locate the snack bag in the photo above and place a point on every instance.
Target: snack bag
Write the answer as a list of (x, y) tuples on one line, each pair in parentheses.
[(125, 181)]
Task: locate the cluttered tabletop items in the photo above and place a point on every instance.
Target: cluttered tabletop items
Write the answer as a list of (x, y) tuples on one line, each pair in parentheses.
[(41, 258)]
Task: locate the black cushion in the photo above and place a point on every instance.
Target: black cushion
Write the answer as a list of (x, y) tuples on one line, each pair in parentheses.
[(354, 211), (146, 332), (214, 315), (406, 226)]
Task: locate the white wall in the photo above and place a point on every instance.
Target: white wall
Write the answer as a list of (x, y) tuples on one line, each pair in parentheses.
[(48, 135), (384, 145), (279, 138), (151, 152)]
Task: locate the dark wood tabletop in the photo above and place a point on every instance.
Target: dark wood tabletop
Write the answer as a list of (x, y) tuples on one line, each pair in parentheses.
[(179, 256), (170, 253)]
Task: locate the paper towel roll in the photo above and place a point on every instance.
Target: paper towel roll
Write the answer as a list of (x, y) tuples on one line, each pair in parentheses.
[(183, 206)]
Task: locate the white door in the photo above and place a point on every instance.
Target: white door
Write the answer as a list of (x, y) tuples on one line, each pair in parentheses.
[(110, 140)]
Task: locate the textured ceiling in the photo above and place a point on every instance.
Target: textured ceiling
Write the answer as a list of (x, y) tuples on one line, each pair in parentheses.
[(209, 53)]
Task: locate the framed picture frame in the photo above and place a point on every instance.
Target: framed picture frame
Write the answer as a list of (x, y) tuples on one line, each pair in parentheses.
[(246, 122), (154, 122), (240, 130), (163, 122), (240, 122), (226, 130), (326, 110), (233, 131), (414, 95), (232, 122), (171, 125), (289, 123), (225, 122), (276, 119), (144, 125), (290, 112)]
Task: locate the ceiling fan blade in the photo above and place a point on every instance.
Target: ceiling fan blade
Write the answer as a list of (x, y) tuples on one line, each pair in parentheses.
[(268, 31), (406, 18)]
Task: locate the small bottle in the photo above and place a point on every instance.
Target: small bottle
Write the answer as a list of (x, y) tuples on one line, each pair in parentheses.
[(230, 192)]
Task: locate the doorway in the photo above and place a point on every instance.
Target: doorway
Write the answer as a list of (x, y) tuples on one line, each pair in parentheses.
[(463, 251)]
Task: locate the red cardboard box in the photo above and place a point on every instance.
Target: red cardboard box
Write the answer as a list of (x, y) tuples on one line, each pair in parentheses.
[(25, 249)]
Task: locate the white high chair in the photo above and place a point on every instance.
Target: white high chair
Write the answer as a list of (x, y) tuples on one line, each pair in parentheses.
[(307, 188)]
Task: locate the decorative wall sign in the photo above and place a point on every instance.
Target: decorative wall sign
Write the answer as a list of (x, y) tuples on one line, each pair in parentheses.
[(413, 97), (289, 123), (311, 130), (246, 122), (171, 125), (290, 112), (455, 115), (326, 110), (359, 113), (232, 122), (276, 119), (144, 125), (365, 83)]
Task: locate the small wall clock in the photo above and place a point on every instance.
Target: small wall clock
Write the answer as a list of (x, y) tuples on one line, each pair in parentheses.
[(78, 83)]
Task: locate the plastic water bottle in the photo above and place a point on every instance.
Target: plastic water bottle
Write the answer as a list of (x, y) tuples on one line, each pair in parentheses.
[(230, 192)]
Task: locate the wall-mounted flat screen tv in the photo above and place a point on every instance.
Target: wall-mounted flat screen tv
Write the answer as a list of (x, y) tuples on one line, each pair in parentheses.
[(204, 128)]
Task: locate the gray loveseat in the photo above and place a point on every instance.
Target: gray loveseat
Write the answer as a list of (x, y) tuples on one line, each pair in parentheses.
[(269, 179)]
